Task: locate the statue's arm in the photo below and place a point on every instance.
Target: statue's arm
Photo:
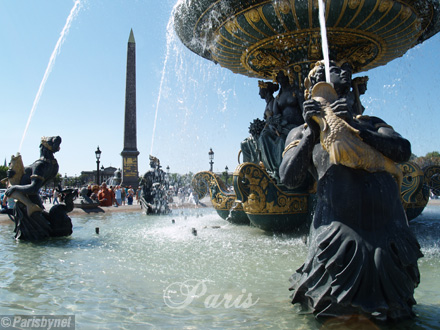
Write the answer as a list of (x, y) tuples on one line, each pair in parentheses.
[(36, 182), (297, 156), (384, 139)]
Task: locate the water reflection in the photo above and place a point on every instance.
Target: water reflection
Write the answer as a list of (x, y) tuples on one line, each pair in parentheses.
[(119, 278)]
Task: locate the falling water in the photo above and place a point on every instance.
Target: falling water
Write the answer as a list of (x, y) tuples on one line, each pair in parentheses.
[(55, 52), (324, 40), (188, 88), (170, 34)]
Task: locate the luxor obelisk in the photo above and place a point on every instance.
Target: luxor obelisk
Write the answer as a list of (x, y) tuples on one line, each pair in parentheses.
[(130, 175)]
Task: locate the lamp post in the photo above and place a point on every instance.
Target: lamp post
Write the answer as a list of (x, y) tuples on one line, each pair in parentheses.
[(227, 174), (211, 158), (98, 156), (167, 176), (102, 173)]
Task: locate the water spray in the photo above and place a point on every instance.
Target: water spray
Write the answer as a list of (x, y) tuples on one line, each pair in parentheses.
[(324, 40), (64, 32), (162, 79)]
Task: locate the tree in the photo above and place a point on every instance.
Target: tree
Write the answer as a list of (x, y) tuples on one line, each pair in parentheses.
[(3, 170), (433, 154), (431, 158)]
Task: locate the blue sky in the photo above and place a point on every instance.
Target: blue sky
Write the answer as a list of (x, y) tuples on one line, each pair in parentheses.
[(201, 105)]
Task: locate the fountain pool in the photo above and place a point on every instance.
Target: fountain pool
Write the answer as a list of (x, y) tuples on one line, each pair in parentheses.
[(151, 273)]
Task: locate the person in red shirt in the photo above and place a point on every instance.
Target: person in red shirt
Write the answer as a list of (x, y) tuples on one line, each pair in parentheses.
[(105, 196)]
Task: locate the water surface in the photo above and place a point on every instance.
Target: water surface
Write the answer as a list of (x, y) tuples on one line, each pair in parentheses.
[(150, 273)]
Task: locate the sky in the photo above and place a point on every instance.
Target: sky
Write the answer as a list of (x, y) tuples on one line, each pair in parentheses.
[(189, 103)]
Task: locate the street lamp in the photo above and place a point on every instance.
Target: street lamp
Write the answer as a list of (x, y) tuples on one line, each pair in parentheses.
[(98, 156), (211, 158), (102, 173), (227, 175), (168, 169)]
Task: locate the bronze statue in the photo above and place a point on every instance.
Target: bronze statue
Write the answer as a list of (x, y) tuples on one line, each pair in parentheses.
[(287, 114), (362, 255), (31, 221), (154, 189), (282, 113), (250, 147)]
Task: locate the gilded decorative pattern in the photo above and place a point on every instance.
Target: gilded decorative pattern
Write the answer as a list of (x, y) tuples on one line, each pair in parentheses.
[(432, 177), (260, 195), (406, 13), (253, 15), (435, 184), (286, 33), (283, 6), (231, 27), (220, 199), (353, 4), (412, 181), (273, 53), (385, 5)]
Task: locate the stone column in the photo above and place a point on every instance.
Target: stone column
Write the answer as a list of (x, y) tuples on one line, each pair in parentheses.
[(130, 175)]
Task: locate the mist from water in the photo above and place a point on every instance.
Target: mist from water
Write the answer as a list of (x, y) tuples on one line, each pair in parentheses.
[(73, 12), (191, 90)]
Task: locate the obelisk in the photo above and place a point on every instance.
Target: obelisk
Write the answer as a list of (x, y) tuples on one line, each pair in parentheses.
[(130, 175)]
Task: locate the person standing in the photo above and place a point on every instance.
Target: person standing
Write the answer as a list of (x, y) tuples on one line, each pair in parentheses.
[(123, 195), (55, 197), (4, 201), (118, 195), (105, 197), (130, 195), (138, 195)]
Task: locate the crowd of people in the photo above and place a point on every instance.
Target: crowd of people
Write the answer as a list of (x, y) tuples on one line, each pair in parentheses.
[(113, 195), (110, 196), (50, 196)]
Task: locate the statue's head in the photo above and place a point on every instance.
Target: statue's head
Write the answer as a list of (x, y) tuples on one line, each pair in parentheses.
[(154, 162), (267, 87), (285, 77), (51, 143), (340, 77), (361, 84)]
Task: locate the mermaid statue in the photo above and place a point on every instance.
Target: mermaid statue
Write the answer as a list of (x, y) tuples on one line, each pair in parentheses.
[(32, 222), (362, 257)]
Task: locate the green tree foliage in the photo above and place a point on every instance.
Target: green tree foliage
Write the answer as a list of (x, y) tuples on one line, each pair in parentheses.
[(431, 158), (3, 170), (433, 154)]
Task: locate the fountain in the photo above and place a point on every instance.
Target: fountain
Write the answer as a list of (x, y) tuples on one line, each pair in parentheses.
[(154, 189), (357, 163), (239, 272), (261, 39)]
